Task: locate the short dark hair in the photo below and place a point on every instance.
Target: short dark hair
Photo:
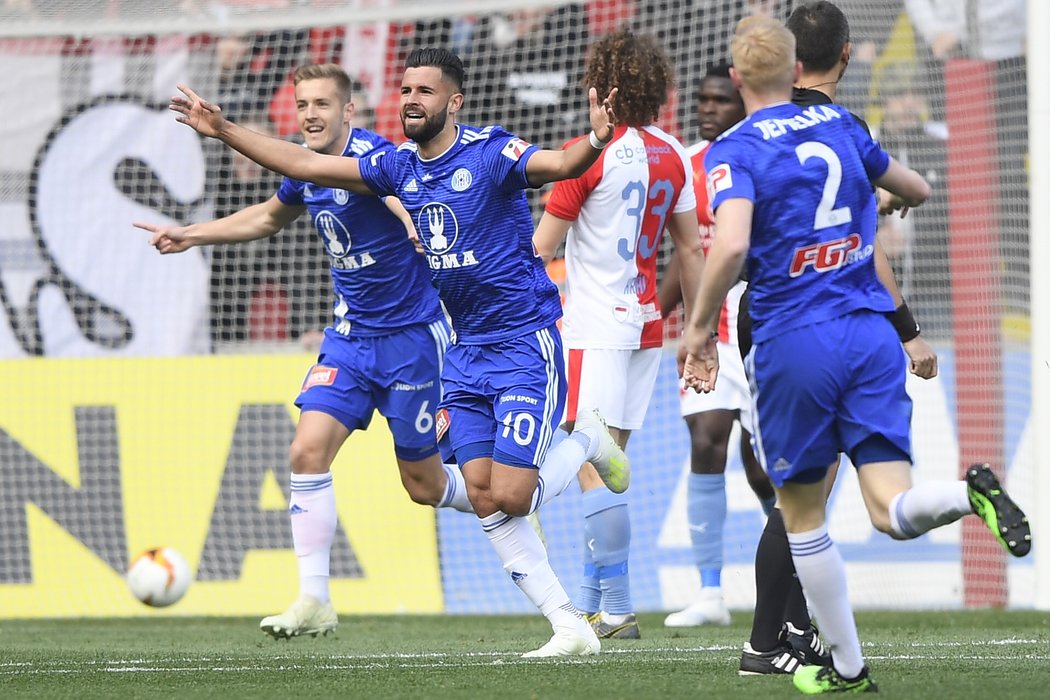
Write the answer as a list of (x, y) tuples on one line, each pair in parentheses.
[(718, 70), (821, 32), (430, 57)]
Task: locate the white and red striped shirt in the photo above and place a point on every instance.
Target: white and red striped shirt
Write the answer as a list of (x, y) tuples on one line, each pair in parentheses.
[(706, 220), (619, 209)]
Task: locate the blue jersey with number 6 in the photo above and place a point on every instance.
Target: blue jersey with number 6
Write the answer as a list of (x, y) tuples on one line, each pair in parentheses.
[(380, 282), (813, 235)]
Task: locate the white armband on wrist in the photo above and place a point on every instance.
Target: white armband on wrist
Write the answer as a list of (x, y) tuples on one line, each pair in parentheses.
[(596, 143)]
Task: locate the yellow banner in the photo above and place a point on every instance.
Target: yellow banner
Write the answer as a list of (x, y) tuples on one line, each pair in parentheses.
[(101, 459)]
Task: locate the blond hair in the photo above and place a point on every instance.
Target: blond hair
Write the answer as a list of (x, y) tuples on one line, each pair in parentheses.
[(322, 71), (763, 54)]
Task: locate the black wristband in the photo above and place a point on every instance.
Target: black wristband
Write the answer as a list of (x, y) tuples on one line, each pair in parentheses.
[(904, 323)]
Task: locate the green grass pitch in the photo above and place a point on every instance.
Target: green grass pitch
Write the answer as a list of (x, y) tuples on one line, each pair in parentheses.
[(927, 655)]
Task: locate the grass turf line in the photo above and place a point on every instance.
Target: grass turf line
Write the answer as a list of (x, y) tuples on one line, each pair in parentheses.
[(931, 655)]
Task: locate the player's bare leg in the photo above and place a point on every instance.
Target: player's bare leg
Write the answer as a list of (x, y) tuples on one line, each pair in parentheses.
[(429, 482)]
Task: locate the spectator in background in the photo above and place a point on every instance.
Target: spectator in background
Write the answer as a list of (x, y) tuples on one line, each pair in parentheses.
[(990, 30), (237, 270), (871, 24), (528, 66), (696, 34), (252, 68), (917, 245)]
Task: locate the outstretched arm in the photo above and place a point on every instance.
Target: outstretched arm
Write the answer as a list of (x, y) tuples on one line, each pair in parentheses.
[(280, 156), (254, 222), (551, 166)]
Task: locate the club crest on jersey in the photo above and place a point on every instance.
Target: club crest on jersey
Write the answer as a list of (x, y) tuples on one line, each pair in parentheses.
[(437, 227), (515, 148), (719, 179), (461, 180), (341, 197), (334, 234)]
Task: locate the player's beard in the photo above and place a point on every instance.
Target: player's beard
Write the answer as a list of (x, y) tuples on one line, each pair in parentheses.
[(430, 128)]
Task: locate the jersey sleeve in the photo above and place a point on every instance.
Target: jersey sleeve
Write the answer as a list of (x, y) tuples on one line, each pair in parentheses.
[(379, 170), (875, 160), (728, 174), (505, 158), (291, 192), (568, 196), (687, 198)]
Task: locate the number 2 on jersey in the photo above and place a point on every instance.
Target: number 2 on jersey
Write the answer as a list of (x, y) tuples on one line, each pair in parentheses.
[(826, 215), (662, 193)]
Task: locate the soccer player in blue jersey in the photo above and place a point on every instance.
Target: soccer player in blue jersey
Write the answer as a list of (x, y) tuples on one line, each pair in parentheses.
[(383, 350), (503, 377), (826, 369)]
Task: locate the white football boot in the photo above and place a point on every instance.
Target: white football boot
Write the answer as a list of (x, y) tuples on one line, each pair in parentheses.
[(709, 609), (611, 463), (307, 615), (578, 640)]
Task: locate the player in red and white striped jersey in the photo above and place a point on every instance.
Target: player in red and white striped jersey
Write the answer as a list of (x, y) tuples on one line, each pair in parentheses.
[(614, 216), (710, 417)]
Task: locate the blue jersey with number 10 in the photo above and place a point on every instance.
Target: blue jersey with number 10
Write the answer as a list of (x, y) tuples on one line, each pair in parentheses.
[(808, 172), (471, 213)]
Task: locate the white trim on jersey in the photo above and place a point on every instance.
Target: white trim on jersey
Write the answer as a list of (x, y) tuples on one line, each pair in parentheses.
[(550, 357), (439, 331)]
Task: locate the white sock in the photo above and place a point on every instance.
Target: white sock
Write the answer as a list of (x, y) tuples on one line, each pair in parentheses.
[(311, 509), (928, 505), (559, 469), (524, 558), (455, 490), (823, 577)]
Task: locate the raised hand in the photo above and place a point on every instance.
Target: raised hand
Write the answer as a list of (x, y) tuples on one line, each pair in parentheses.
[(603, 117), (166, 239), (203, 117)]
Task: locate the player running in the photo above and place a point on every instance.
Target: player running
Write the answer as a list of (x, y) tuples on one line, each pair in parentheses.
[(503, 375), (383, 350), (826, 372)]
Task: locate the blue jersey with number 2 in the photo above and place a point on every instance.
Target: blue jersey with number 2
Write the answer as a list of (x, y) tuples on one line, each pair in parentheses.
[(808, 173)]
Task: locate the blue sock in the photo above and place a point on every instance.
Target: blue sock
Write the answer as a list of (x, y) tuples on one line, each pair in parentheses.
[(607, 530), (706, 506)]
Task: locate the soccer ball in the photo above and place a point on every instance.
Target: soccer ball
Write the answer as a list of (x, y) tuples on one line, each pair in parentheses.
[(158, 577)]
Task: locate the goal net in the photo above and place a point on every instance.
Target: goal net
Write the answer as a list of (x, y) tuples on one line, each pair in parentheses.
[(148, 398)]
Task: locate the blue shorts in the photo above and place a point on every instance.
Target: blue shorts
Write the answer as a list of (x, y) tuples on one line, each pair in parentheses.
[(396, 374), (503, 400), (834, 387)]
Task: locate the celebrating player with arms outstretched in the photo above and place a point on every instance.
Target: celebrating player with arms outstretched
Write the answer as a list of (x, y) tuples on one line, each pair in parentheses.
[(826, 371), (382, 352), (503, 377)]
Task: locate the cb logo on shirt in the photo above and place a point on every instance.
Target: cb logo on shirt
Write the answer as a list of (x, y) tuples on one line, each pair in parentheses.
[(437, 227)]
